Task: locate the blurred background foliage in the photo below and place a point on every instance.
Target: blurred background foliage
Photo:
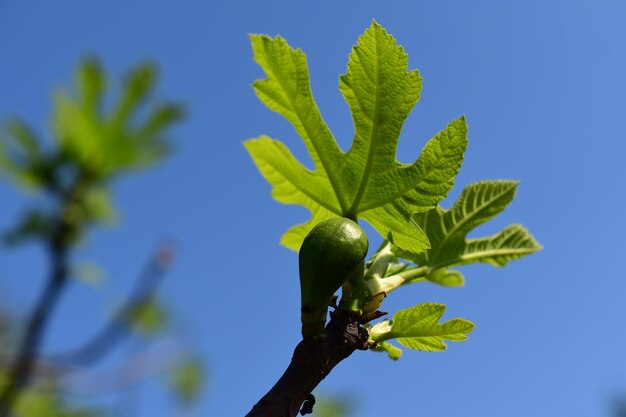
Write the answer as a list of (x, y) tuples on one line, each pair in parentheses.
[(93, 143), (95, 138), (68, 179), (334, 405)]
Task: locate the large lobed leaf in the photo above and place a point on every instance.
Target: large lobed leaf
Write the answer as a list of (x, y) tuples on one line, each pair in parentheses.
[(365, 182)]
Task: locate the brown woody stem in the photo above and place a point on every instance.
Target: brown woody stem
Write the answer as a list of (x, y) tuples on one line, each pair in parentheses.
[(312, 360)]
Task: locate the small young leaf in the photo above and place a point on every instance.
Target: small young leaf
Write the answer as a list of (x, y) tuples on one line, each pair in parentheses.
[(447, 230), (418, 328), (393, 352), (446, 278)]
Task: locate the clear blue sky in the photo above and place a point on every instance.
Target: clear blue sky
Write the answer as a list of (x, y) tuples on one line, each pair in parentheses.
[(542, 85)]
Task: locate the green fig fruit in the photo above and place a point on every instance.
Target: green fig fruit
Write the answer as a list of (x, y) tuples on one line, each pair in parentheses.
[(331, 252)]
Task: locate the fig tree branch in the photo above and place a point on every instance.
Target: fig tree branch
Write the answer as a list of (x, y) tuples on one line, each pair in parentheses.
[(313, 359)]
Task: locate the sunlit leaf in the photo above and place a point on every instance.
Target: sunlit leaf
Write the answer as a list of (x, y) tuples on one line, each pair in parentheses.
[(366, 181), (447, 230), (419, 328)]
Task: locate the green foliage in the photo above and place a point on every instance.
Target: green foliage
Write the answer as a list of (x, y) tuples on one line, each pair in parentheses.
[(186, 380), (446, 278), (93, 143), (44, 401), (96, 138), (447, 231), (365, 182), (418, 328), (333, 406), (107, 142), (393, 352), (148, 318), (399, 200), (21, 156)]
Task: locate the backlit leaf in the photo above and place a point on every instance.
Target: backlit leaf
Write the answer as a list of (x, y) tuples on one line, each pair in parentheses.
[(419, 328), (366, 181), (447, 230)]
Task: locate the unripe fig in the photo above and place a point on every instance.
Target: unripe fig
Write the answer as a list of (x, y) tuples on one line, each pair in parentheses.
[(331, 252)]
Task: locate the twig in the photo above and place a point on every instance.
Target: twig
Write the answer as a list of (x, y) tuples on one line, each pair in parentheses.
[(117, 328), (76, 380), (126, 374), (20, 372), (58, 244)]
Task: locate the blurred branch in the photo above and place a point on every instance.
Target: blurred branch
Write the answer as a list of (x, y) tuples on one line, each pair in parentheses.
[(73, 379), (93, 145), (129, 372), (20, 372), (58, 245), (118, 327)]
